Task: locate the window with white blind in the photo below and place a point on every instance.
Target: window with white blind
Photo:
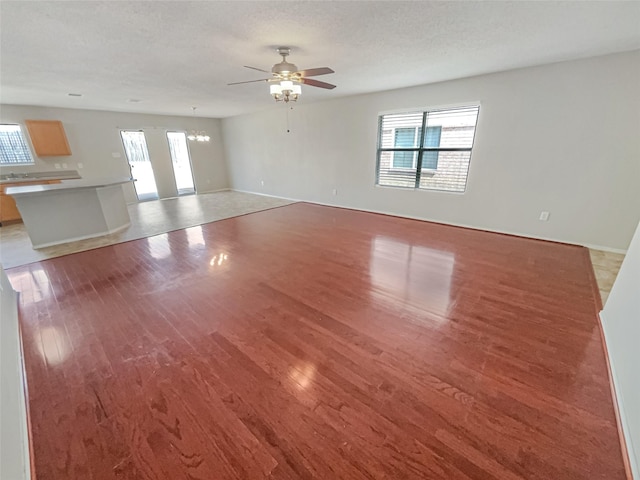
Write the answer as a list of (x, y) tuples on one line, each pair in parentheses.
[(436, 160), (14, 149)]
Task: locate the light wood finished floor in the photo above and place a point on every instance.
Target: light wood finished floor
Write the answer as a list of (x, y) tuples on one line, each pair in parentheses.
[(308, 342), (147, 219)]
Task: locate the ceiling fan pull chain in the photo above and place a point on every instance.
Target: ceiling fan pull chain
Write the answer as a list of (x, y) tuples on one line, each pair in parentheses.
[(288, 129)]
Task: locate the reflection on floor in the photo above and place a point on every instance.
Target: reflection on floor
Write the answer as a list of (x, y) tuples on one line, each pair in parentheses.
[(147, 219)]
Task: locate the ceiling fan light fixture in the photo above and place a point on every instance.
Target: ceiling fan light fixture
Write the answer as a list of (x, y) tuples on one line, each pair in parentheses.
[(275, 89), (285, 91)]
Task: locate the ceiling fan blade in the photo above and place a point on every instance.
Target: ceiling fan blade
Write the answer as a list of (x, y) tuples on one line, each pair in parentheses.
[(316, 83), (250, 81), (312, 72), (256, 68)]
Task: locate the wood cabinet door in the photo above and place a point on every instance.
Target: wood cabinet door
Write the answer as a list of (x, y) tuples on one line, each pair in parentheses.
[(8, 209), (48, 138)]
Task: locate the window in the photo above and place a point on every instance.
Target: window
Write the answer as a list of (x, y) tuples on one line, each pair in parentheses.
[(410, 138), (437, 160), (13, 146)]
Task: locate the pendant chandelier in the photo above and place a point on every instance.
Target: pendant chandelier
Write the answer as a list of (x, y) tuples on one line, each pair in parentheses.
[(198, 135)]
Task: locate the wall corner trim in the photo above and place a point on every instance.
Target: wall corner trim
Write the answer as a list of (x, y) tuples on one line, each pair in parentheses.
[(630, 465)]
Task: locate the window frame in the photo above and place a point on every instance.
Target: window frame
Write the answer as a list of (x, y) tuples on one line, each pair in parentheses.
[(420, 149), (27, 144)]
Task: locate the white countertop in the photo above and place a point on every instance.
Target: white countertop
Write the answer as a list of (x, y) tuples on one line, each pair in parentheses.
[(65, 185), (38, 176)]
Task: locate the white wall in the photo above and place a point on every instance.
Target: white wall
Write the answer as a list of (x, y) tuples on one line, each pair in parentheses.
[(14, 442), (564, 138), (621, 323), (95, 135)]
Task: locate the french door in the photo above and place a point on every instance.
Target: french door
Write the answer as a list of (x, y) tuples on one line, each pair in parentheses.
[(135, 147), (181, 163)]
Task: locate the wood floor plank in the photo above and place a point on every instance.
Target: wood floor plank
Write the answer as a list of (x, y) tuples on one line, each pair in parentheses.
[(309, 342)]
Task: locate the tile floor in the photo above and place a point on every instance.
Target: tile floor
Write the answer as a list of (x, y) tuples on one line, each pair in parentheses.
[(605, 266), (147, 219), (156, 217)]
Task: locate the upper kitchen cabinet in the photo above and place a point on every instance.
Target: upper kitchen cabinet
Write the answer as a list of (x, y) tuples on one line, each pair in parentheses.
[(48, 138)]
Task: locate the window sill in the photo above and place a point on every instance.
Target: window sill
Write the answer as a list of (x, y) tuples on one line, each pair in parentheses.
[(425, 171), (419, 189)]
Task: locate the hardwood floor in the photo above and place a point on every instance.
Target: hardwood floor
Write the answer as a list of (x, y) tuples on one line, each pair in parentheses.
[(315, 342)]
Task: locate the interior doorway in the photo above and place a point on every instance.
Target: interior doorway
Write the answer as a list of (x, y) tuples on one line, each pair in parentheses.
[(135, 147)]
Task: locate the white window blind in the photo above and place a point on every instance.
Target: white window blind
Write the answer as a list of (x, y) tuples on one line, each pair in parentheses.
[(13, 146), (436, 160)]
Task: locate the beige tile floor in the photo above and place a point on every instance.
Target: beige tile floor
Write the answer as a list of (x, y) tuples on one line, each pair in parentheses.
[(161, 216), (147, 219), (606, 266)]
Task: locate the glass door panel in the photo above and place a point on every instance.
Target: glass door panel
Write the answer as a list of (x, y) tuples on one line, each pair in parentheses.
[(181, 163), (135, 147)]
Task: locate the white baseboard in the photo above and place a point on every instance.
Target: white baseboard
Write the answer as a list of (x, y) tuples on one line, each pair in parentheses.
[(214, 191), (453, 224), (276, 196)]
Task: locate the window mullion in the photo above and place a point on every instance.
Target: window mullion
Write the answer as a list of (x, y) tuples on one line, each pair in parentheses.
[(420, 149)]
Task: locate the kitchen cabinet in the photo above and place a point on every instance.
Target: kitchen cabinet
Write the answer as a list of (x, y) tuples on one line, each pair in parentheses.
[(48, 138), (8, 211)]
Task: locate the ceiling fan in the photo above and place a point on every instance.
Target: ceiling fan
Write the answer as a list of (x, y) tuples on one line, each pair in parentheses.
[(285, 78)]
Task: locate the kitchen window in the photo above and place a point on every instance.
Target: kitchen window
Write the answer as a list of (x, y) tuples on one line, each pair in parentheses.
[(14, 149)]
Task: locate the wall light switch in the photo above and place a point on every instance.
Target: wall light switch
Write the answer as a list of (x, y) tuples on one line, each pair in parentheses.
[(335, 191), (544, 216), (262, 183)]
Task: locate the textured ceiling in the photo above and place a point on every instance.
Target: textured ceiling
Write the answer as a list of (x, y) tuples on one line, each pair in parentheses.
[(171, 55)]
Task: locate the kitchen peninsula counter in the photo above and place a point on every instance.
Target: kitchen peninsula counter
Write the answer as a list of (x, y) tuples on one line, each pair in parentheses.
[(71, 210)]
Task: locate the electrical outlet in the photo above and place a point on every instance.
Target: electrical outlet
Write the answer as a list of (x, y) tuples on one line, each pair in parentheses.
[(57, 165), (115, 154), (544, 216), (80, 165), (335, 191), (64, 165)]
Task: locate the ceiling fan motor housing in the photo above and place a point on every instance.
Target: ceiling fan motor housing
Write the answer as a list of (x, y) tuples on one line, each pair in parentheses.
[(284, 68)]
